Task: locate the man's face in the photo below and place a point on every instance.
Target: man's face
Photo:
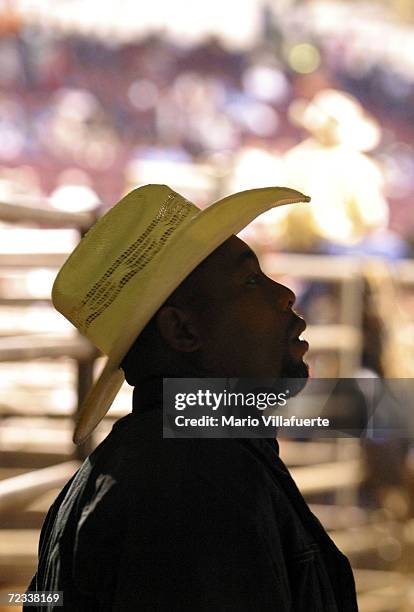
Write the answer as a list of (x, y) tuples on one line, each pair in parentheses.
[(246, 321)]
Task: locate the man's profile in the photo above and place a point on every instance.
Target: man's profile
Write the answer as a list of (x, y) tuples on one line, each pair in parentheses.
[(147, 523)]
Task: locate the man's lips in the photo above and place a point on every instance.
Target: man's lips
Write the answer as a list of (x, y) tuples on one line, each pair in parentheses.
[(298, 329)]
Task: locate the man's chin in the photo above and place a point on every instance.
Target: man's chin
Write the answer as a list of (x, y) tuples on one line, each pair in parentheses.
[(295, 369), (297, 374)]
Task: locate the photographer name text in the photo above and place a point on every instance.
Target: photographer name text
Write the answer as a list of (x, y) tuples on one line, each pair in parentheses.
[(267, 421)]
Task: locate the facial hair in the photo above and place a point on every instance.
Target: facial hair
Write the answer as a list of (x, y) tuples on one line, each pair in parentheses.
[(296, 374)]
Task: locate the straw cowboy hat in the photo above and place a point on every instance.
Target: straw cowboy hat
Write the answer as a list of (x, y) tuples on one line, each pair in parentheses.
[(132, 259)]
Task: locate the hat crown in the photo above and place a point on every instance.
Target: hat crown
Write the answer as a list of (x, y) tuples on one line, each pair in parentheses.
[(119, 247)]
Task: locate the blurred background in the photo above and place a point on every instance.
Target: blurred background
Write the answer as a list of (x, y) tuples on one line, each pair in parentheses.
[(96, 98)]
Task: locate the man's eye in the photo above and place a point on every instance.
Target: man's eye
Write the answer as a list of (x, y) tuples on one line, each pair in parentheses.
[(254, 279)]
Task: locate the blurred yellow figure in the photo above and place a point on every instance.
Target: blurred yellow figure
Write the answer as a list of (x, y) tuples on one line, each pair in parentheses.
[(346, 184)]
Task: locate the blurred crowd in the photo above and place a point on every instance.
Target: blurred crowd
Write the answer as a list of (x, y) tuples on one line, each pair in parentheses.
[(80, 111), (321, 103)]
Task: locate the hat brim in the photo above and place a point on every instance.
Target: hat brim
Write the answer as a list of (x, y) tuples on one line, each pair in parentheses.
[(188, 247)]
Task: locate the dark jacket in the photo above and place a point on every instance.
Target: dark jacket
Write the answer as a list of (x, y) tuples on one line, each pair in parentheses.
[(200, 525)]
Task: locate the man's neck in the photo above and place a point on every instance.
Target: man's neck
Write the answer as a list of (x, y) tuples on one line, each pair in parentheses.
[(147, 395)]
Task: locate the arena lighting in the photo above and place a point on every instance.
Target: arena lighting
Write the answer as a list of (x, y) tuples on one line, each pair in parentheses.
[(32, 240), (372, 32), (39, 282), (121, 20), (304, 58), (64, 400), (74, 198), (266, 83), (253, 167)]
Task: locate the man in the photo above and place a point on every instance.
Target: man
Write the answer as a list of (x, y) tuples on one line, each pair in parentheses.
[(183, 524)]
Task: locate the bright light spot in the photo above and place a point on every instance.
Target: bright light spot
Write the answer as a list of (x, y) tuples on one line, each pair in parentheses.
[(74, 198), (304, 58), (39, 282), (261, 119), (266, 83), (22, 240), (257, 117), (254, 167), (76, 104), (64, 400), (143, 94)]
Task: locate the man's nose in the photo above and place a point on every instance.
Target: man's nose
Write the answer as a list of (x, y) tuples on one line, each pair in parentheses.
[(286, 296), (291, 297)]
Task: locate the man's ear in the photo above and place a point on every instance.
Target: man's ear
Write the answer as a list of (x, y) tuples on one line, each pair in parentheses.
[(177, 328)]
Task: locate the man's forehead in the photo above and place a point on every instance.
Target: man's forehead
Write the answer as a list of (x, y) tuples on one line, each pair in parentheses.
[(215, 270), (231, 253)]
